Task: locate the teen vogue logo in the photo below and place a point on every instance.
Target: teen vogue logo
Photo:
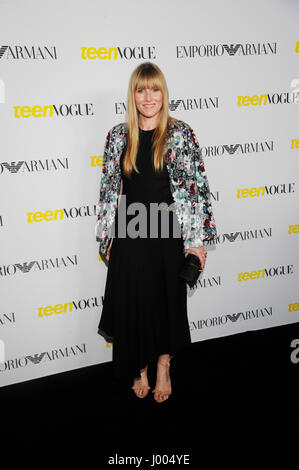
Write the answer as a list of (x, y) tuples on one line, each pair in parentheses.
[(60, 214), (50, 110), (114, 53), (67, 307), (261, 191), (280, 97)]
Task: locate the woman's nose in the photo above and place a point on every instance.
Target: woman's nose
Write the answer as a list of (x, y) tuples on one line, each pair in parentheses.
[(148, 95)]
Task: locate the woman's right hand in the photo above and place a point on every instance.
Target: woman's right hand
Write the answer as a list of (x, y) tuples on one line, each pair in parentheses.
[(108, 251)]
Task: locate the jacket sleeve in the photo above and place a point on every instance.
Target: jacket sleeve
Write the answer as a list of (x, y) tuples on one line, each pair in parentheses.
[(102, 208), (204, 228)]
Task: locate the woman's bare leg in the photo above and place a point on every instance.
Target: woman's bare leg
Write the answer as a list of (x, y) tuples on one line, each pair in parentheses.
[(163, 382)]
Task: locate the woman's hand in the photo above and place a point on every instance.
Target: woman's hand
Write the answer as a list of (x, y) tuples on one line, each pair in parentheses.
[(108, 251), (200, 252)]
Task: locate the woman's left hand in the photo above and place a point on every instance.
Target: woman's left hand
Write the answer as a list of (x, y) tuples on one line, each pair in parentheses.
[(200, 252)]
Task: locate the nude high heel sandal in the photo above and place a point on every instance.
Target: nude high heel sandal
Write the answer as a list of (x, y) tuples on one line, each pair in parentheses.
[(163, 392), (143, 388)]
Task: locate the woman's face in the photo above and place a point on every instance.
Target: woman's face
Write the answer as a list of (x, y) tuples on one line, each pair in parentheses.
[(148, 101)]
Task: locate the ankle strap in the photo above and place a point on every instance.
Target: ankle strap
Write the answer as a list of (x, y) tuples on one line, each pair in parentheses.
[(164, 363)]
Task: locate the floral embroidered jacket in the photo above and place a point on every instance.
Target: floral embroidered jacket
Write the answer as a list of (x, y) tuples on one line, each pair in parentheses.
[(188, 184)]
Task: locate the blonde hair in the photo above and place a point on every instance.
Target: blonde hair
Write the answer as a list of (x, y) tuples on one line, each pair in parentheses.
[(146, 75)]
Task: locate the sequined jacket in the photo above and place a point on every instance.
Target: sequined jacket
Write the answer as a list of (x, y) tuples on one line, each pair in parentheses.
[(188, 184)]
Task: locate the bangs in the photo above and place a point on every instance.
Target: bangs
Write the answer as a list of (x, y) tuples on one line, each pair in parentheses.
[(148, 81)]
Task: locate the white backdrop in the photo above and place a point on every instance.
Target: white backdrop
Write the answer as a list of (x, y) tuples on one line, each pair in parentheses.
[(219, 58)]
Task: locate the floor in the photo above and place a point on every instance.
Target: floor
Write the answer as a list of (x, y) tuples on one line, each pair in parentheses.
[(235, 392)]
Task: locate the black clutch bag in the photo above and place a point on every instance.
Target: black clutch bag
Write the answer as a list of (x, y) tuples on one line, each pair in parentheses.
[(191, 269)]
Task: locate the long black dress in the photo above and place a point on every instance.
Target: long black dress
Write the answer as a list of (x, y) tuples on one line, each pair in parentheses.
[(145, 302)]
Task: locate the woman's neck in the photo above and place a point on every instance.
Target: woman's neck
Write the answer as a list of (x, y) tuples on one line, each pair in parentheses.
[(147, 124)]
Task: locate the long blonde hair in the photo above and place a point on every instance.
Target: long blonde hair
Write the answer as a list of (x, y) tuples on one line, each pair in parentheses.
[(146, 75)]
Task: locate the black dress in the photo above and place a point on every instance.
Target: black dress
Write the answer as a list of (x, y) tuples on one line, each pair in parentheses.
[(145, 302)]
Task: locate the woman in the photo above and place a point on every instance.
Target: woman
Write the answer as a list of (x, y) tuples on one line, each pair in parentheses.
[(151, 158)]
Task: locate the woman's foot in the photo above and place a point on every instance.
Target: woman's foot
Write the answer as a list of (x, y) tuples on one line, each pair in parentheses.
[(141, 386), (163, 384)]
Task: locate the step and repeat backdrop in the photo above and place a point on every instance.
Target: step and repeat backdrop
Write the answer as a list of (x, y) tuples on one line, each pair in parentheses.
[(232, 73)]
